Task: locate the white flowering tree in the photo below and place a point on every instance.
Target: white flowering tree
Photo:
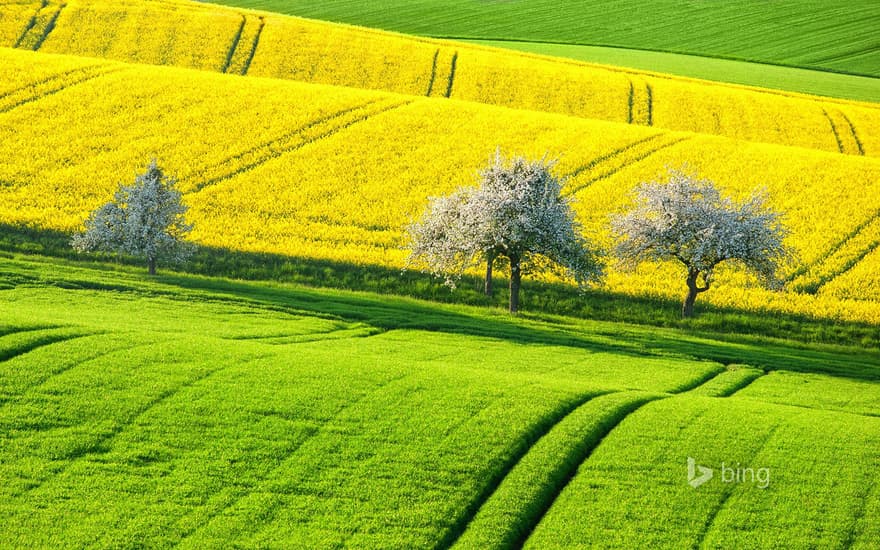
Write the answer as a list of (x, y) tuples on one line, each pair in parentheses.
[(517, 213), (686, 219), (145, 220)]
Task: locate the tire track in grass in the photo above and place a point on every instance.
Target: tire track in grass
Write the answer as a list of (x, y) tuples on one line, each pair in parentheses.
[(98, 446), (506, 516), (47, 80), (510, 509), (854, 532), (52, 86), (236, 499), (37, 341), (79, 362), (253, 51), (729, 489), (297, 139), (619, 159)]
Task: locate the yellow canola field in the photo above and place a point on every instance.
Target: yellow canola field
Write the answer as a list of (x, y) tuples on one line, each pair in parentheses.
[(335, 173), (209, 37)]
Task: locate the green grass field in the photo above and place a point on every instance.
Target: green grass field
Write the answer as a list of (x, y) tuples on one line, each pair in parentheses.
[(200, 412), (801, 33)]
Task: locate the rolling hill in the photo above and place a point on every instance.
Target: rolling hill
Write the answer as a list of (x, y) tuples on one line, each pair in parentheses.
[(207, 413), (803, 33), (333, 173), (260, 44)]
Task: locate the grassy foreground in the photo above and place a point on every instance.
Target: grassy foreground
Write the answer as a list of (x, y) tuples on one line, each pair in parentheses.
[(212, 413)]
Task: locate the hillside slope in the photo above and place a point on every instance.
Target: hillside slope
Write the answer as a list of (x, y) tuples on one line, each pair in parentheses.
[(186, 34), (336, 173), (193, 412), (825, 35)]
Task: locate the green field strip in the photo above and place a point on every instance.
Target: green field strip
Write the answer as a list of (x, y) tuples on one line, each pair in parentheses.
[(98, 443), (266, 477), (527, 491), (822, 492), (27, 372), (728, 382), (620, 161), (301, 137), (352, 332), (53, 86), (727, 492), (815, 391), (234, 46), (19, 343), (39, 27), (245, 46), (840, 258)]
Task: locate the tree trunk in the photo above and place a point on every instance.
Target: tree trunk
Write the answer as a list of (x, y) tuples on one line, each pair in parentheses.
[(515, 279), (489, 261), (687, 309), (151, 265)]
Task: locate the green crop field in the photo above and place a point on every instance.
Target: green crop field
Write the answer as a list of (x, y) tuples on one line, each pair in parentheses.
[(766, 75), (840, 37), (183, 410)]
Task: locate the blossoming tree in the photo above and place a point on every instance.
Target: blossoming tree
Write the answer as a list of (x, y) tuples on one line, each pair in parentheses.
[(686, 219), (145, 220), (518, 213)]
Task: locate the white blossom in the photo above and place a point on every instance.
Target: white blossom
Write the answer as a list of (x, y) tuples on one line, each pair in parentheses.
[(516, 212), (145, 220), (686, 219)]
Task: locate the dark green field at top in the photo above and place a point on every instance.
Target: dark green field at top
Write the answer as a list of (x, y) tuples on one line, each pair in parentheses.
[(836, 36)]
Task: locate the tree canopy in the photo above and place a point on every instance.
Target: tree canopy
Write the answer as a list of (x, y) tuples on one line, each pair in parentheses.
[(144, 219), (516, 212), (685, 219)]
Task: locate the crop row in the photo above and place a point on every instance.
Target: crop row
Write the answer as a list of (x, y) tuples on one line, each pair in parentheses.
[(221, 39)]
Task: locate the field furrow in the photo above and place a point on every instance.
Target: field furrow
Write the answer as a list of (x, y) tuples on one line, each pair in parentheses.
[(234, 46), (842, 257), (727, 492), (641, 109), (16, 20), (293, 141), (19, 377), (246, 48), (39, 27), (754, 498), (608, 165), (509, 514), (52, 85), (197, 35), (729, 381), (19, 343)]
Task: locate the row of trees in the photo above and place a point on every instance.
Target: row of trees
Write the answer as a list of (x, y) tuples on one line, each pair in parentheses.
[(518, 215)]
